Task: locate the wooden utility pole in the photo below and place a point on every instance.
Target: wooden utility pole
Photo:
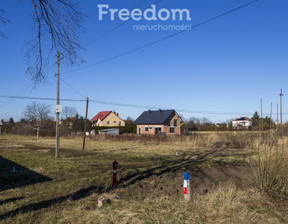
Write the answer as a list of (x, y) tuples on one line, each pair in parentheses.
[(58, 107), (281, 94), (85, 124), (271, 117), (261, 118)]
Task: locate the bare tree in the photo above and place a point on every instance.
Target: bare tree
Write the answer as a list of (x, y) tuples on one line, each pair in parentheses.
[(129, 120), (68, 111), (205, 121), (56, 21), (191, 124), (38, 114)]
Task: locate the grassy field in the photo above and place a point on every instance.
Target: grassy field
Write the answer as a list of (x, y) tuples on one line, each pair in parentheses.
[(44, 189)]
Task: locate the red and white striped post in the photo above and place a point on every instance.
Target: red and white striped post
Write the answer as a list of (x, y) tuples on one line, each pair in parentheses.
[(115, 167), (186, 186)]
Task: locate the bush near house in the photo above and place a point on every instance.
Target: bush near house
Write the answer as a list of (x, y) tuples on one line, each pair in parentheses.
[(128, 129), (186, 128)]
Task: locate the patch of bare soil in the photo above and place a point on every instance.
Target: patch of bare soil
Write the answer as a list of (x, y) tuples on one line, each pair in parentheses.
[(202, 181)]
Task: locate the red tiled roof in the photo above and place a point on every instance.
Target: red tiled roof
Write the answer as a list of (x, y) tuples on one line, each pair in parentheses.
[(242, 119), (101, 115)]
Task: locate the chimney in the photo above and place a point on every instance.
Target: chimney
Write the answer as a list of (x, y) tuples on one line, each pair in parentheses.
[(117, 114)]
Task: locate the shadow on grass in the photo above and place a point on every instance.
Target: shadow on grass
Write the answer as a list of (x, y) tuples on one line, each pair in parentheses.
[(10, 200), (21, 177), (83, 193), (65, 152), (190, 164)]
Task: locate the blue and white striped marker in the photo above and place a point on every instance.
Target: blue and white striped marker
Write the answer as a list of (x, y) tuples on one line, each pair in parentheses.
[(186, 186)]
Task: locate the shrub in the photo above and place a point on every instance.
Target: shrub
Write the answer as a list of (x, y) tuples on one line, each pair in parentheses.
[(270, 168), (128, 129)]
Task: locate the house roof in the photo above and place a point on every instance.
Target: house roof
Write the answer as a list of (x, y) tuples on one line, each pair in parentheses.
[(242, 119), (101, 115), (154, 117)]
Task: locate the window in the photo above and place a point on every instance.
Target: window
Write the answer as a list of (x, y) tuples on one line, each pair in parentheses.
[(150, 128), (158, 130), (169, 122), (114, 121), (146, 129), (108, 122), (172, 130), (175, 122), (120, 123)]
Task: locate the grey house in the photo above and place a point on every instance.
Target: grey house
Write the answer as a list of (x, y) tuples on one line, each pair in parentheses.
[(159, 122)]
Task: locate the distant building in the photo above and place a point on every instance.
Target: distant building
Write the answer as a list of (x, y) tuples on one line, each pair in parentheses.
[(219, 125), (166, 122), (242, 123), (107, 119)]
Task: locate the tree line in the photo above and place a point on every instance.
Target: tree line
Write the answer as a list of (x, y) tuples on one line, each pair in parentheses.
[(265, 122), (38, 120)]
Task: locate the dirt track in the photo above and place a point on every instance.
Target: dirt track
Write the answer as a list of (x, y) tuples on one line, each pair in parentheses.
[(202, 181)]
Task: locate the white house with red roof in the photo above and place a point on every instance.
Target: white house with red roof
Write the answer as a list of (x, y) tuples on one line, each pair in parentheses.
[(242, 122), (107, 119)]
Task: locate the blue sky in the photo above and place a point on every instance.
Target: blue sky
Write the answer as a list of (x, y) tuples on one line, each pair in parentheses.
[(219, 68)]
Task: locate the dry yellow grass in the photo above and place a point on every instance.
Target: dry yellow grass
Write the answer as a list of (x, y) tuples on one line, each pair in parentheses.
[(223, 204), (146, 167)]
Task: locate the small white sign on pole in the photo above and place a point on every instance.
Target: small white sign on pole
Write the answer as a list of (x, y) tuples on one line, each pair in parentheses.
[(58, 108)]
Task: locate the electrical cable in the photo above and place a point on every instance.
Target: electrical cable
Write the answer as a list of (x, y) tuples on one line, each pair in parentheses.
[(130, 105), (116, 27), (162, 39), (39, 98)]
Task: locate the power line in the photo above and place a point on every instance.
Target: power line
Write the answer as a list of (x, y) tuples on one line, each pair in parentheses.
[(39, 98), (108, 103), (110, 21), (164, 38), (75, 90), (179, 110), (130, 105), (26, 87), (116, 27), (153, 107)]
